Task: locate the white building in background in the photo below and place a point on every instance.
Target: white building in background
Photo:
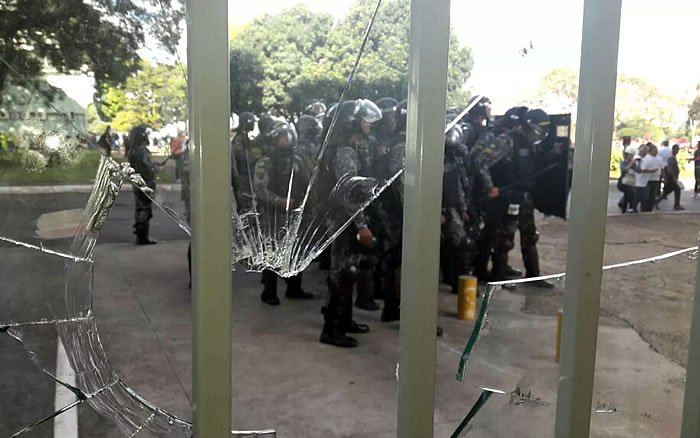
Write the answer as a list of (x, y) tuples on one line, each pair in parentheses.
[(25, 111)]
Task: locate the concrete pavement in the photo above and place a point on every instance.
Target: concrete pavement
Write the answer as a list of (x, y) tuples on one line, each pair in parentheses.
[(284, 378)]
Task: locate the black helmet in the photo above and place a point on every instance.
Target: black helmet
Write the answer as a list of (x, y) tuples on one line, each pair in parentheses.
[(308, 127), (246, 121), (388, 125), (138, 136), (387, 104), (482, 108), (537, 122), (351, 112), (316, 109), (512, 118), (454, 137), (266, 123), (283, 130)]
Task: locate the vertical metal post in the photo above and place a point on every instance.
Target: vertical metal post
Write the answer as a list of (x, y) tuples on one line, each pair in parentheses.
[(691, 403), (594, 130), (208, 66), (429, 43)]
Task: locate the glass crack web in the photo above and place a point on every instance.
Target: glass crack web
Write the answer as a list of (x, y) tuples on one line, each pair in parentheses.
[(284, 239)]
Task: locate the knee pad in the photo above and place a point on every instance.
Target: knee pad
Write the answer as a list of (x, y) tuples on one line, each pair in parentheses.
[(504, 242)]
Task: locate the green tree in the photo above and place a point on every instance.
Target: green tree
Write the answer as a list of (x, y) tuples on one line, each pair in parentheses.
[(154, 96), (558, 88), (279, 44), (100, 36), (305, 57), (246, 78), (641, 109)]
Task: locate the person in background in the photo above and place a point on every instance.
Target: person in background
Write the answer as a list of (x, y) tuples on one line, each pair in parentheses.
[(626, 182), (696, 159), (641, 179), (140, 161), (177, 151), (654, 163), (671, 184), (105, 141), (664, 153)]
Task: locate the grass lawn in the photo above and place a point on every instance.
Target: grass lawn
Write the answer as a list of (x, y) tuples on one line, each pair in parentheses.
[(12, 173)]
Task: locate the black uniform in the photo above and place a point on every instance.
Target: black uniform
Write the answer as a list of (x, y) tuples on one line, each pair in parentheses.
[(507, 161), (140, 161)]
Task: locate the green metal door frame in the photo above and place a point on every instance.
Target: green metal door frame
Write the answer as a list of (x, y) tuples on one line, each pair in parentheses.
[(589, 199), (208, 68), (429, 44)]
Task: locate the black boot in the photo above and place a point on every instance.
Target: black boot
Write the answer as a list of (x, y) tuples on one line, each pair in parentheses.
[(511, 272), (269, 293), (141, 231), (365, 290), (295, 291), (333, 332)]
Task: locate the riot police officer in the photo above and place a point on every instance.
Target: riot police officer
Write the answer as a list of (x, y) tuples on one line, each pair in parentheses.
[(506, 166), (309, 129), (391, 134), (140, 161), (457, 249), (276, 199), (244, 154), (316, 109), (352, 250), (476, 121)]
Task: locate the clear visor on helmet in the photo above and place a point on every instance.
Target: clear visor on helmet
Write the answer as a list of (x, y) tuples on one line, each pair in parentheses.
[(284, 137), (368, 110), (539, 133)]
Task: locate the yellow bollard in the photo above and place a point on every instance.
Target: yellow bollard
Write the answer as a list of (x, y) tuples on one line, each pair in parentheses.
[(466, 300), (560, 319)]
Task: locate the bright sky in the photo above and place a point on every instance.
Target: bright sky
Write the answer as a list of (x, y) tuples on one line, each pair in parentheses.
[(656, 43)]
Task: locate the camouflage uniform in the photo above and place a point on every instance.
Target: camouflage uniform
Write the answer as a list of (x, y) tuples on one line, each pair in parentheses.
[(271, 184), (244, 155), (457, 249), (389, 208), (501, 162)]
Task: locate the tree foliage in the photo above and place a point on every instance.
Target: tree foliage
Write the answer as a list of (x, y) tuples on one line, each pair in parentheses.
[(154, 96), (641, 109), (305, 56), (100, 37)]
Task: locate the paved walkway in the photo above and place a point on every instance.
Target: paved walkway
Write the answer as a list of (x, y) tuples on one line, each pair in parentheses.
[(284, 378)]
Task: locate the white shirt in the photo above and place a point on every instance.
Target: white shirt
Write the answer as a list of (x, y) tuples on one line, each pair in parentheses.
[(649, 163), (665, 153), (640, 179)]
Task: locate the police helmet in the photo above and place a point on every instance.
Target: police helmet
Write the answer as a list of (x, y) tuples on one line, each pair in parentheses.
[(246, 121), (454, 137), (266, 123), (352, 112), (316, 109), (537, 122), (308, 127), (283, 135), (481, 109), (387, 104), (138, 136)]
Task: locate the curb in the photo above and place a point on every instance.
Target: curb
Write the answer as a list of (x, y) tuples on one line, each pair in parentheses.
[(74, 188)]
